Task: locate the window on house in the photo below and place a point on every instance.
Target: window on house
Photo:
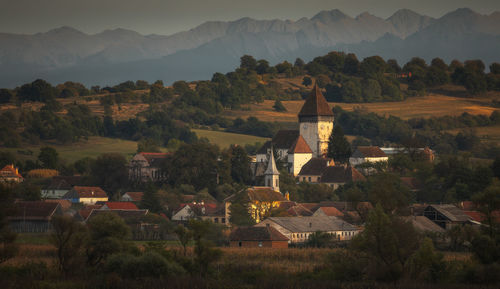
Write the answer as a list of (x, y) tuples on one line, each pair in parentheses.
[(309, 179), (304, 179), (319, 178), (239, 244), (223, 220), (216, 220)]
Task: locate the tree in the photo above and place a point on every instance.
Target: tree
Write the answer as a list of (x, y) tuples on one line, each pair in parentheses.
[(262, 66), (240, 165), (306, 81), (389, 241), (371, 90), (387, 190), (278, 106), (184, 235), (373, 66), (68, 237), (488, 201), (107, 235), (49, 157), (148, 145), (248, 62), (495, 68), (203, 249), (109, 171), (339, 148), (8, 247), (151, 200), (319, 239), (351, 64), (239, 212), (5, 95)]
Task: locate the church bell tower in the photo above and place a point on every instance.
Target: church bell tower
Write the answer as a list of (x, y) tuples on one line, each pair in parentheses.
[(316, 122)]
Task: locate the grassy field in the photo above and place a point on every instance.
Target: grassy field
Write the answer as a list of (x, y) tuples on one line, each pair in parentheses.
[(92, 147), (487, 134), (426, 106), (225, 139)]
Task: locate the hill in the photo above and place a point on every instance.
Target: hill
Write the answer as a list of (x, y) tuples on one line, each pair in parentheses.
[(114, 56)]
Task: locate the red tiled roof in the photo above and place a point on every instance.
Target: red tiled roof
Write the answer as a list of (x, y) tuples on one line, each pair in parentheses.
[(331, 211), (300, 146), (85, 212), (135, 196), (315, 105), (85, 192), (121, 206), (10, 171), (369, 152), (154, 158)]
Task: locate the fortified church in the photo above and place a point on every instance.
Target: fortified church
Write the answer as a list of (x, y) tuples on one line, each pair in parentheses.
[(298, 147)]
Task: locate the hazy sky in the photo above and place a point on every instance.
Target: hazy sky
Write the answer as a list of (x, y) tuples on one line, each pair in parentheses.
[(170, 16)]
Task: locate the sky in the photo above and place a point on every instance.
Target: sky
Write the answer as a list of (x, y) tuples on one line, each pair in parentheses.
[(169, 16)]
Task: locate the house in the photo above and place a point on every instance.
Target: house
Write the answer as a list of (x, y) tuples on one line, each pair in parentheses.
[(146, 167), (60, 185), (135, 197), (202, 210), (10, 174), (328, 211), (257, 237), (33, 217), (424, 224), (424, 154), (446, 216), (312, 170), (84, 212), (298, 229), (335, 176), (297, 147), (86, 195), (367, 154), (119, 206)]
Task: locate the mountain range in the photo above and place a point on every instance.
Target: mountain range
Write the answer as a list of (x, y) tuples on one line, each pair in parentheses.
[(113, 56)]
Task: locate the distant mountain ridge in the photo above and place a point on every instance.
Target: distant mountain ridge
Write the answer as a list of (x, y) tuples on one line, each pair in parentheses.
[(117, 55)]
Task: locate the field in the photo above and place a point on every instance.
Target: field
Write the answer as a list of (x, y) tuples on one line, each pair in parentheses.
[(486, 134), (225, 139), (426, 106), (92, 147)]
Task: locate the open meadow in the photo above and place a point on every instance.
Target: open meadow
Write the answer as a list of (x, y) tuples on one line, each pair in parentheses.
[(415, 107), (92, 147), (225, 139)]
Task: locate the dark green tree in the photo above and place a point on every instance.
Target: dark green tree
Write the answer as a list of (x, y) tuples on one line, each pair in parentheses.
[(49, 157), (68, 237), (339, 148), (306, 81), (109, 171), (387, 190), (108, 234), (248, 62), (278, 106), (240, 165)]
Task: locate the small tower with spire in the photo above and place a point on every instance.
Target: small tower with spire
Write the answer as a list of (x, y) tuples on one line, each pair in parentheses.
[(272, 175)]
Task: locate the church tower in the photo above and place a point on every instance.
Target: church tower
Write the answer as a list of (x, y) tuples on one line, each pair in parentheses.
[(272, 175), (316, 122)]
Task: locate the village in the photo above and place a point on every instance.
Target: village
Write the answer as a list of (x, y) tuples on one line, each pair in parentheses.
[(278, 220)]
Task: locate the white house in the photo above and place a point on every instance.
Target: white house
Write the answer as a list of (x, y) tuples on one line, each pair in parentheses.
[(364, 154), (298, 229)]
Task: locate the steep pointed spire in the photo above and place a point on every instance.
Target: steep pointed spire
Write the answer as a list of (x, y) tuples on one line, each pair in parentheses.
[(271, 166), (315, 105)]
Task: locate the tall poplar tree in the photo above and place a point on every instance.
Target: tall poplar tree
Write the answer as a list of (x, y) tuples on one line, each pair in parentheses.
[(339, 148)]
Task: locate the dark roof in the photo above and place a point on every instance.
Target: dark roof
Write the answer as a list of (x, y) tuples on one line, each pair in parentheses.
[(263, 149), (368, 152), (314, 167), (423, 224), (341, 174), (300, 146), (299, 210), (85, 192), (284, 139), (311, 224), (266, 233), (315, 105), (258, 168), (330, 211), (64, 182), (129, 216), (451, 212), (34, 210), (264, 194)]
